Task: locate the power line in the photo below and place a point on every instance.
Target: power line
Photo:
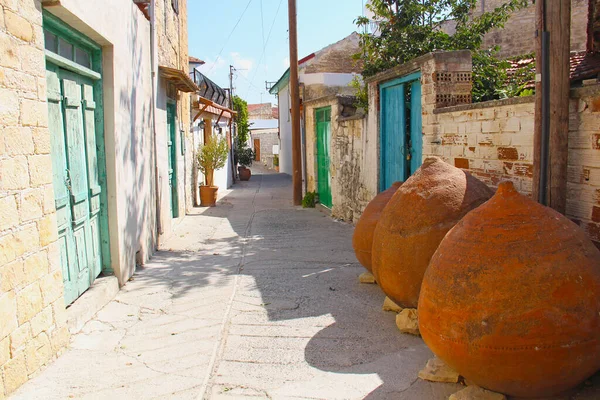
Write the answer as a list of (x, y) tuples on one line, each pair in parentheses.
[(229, 37), (265, 43)]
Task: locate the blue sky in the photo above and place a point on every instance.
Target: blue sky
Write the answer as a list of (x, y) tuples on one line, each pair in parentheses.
[(320, 23)]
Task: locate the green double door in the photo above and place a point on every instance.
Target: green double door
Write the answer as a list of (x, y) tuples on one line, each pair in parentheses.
[(323, 118), (72, 123)]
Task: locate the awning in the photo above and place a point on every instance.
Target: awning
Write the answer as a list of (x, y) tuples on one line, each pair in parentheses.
[(208, 106), (178, 78)]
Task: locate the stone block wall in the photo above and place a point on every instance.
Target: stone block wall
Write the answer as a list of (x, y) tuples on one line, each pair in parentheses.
[(494, 141), (32, 310), (267, 138), (518, 35), (351, 182)]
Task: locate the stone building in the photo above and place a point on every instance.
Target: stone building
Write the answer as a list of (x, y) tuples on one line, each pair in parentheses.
[(518, 35), (326, 72), (89, 94), (264, 134), (262, 111)]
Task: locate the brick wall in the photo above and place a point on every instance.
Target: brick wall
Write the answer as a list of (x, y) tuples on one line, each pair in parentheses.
[(494, 141), (32, 309), (268, 138), (518, 35)]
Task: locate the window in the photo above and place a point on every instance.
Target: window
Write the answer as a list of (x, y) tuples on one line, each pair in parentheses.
[(175, 4), (66, 49)]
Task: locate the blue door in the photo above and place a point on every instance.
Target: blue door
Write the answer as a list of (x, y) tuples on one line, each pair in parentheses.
[(401, 138)]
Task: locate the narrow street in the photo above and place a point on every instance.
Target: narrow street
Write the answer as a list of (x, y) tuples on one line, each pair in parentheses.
[(252, 298)]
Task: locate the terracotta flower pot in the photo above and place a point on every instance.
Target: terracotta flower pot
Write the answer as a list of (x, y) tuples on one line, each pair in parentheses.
[(414, 223), (362, 240), (208, 195), (245, 174), (511, 299)]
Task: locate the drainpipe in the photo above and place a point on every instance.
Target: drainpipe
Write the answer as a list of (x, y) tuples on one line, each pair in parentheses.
[(303, 131), (159, 228)]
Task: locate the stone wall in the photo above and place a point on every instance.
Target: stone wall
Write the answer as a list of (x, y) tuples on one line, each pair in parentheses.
[(350, 188), (268, 138), (518, 35), (494, 141), (32, 310)]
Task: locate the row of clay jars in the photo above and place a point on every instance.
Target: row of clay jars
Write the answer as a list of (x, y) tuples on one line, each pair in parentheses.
[(414, 223), (511, 298), (362, 240)]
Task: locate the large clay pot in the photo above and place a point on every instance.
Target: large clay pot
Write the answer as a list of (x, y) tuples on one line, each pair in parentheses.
[(208, 195), (362, 240), (244, 173), (414, 223), (511, 299)]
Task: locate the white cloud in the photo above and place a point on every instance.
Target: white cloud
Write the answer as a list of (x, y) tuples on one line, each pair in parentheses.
[(214, 67), (243, 65), (286, 62)]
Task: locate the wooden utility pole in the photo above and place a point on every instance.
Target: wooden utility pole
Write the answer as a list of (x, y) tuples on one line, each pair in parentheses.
[(554, 17), (295, 96)]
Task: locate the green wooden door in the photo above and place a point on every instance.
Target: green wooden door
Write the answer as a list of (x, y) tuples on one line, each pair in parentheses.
[(71, 109), (172, 154), (323, 117)]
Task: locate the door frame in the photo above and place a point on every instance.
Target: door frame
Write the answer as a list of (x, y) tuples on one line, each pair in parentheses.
[(317, 140), (61, 29), (415, 76)]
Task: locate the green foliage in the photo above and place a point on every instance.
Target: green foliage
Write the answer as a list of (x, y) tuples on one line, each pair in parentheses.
[(492, 80), (410, 28), (244, 156), (276, 160), (309, 200), (211, 156), (241, 119), (362, 93)]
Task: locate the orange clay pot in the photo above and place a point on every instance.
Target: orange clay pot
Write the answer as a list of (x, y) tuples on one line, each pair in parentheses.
[(414, 223), (511, 298), (362, 240)]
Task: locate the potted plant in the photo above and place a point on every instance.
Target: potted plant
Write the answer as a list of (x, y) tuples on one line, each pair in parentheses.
[(212, 155), (245, 157)]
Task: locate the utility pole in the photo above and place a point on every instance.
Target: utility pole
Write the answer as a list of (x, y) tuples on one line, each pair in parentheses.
[(295, 95), (551, 135)]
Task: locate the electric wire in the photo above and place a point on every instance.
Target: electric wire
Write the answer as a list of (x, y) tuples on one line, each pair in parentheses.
[(229, 36), (265, 44)]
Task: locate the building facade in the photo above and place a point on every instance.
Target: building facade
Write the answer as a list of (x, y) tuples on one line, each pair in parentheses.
[(93, 104)]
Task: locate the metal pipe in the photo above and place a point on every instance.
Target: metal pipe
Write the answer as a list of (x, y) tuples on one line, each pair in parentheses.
[(304, 171), (159, 228)]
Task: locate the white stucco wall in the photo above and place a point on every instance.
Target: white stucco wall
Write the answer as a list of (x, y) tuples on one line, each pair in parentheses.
[(124, 34), (327, 78), (285, 132)]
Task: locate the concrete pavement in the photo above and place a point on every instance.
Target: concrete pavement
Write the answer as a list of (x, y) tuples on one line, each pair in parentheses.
[(251, 299)]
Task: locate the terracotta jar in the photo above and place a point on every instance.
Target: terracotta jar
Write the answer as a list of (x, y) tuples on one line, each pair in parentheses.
[(414, 223), (362, 240), (511, 299)]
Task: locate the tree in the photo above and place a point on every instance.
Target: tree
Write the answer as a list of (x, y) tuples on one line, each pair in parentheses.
[(241, 119), (407, 29)]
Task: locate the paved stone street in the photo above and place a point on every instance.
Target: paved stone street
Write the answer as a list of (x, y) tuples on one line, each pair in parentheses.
[(250, 299)]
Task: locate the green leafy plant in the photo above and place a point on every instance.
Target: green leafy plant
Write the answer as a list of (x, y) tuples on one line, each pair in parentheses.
[(241, 119), (362, 93), (309, 200), (407, 29), (212, 155), (245, 156), (276, 160)]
